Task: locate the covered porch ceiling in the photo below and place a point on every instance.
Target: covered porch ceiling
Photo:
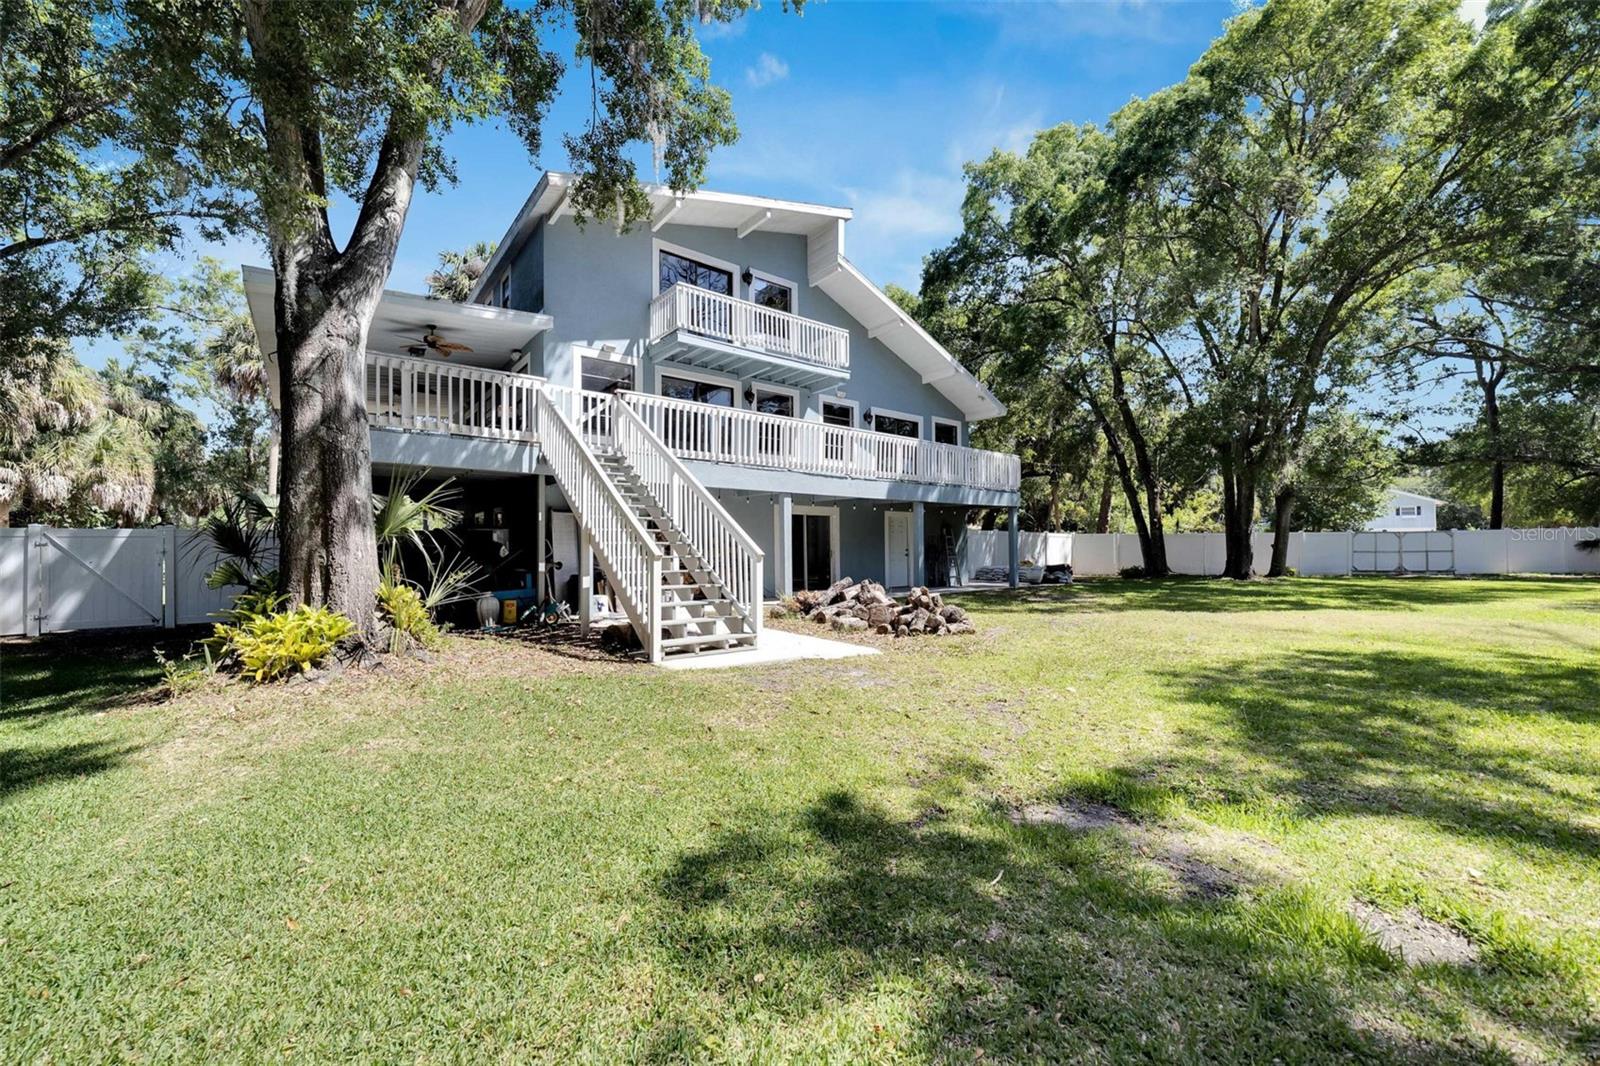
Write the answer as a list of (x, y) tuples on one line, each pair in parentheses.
[(497, 336)]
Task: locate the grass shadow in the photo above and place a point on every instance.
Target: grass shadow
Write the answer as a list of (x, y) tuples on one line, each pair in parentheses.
[(26, 768), (47, 678), (1023, 943), (1392, 733)]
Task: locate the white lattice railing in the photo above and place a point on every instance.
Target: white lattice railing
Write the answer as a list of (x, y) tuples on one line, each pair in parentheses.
[(436, 396), (726, 549), (749, 325), (627, 553), (726, 435)]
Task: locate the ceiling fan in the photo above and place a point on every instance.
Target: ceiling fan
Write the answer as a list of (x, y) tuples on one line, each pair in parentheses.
[(432, 342)]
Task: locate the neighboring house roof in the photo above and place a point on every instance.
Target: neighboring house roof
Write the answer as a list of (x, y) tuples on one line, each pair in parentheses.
[(401, 319), (823, 228), (1414, 495)]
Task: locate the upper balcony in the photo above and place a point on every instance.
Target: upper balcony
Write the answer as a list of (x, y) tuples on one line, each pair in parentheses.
[(700, 328)]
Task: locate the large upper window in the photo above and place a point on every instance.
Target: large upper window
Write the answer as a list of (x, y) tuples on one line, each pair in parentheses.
[(895, 425), (681, 270), (946, 432), (696, 391)]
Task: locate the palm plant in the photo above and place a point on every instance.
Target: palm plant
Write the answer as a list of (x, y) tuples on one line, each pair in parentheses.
[(240, 533)]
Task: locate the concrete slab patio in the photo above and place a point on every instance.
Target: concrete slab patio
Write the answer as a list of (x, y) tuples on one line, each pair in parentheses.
[(775, 646)]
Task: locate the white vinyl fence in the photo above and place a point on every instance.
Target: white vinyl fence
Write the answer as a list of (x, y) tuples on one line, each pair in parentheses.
[(60, 580), (1462, 551)]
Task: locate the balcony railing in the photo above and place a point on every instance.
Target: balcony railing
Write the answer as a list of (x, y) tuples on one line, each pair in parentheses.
[(749, 325), (435, 396), (439, 397), (725, 435)]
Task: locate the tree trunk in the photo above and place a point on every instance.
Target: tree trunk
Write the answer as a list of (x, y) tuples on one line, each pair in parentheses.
[(328, 550), (1152, 536), (1238, 516), (1102, 523), (1489, 374), (5, 514), (1282, 514)]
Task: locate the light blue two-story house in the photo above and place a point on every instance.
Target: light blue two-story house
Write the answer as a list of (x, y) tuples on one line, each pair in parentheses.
[(714, 408)]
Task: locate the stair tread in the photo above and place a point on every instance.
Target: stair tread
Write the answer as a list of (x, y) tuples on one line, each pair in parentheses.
[(709, 638)]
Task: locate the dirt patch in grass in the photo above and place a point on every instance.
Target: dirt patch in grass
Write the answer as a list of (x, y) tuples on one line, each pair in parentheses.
[(1416, 938), (1198, 872)]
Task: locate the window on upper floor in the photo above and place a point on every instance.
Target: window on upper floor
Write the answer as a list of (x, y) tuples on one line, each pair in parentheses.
[(678, 269), (842, 415), (1408, 512), (505, 291), (606, 375), (946, 432), (768, 292), (770, 402), (896, 425), (711, 392)]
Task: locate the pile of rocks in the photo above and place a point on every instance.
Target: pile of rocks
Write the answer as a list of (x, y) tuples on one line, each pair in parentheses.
[(855, 605)]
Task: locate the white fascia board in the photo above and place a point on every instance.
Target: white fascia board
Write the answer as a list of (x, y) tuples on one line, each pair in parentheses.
[(529, 209), (886, 327), (921, 352)]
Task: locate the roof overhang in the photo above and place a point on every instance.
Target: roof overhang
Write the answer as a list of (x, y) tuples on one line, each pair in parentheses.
[(549, 202), (888, 322), (496, 335)]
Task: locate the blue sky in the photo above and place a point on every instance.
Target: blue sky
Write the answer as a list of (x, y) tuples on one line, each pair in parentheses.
[(872, 105)]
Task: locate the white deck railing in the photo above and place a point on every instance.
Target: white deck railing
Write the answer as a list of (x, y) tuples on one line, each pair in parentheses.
[(748, 325), (725, 435), (436, 396), (727, 550), (441, 397), (627, 553)]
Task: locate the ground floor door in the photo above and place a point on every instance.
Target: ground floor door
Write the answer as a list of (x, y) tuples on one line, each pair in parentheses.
[(812, 563), (897, 549)]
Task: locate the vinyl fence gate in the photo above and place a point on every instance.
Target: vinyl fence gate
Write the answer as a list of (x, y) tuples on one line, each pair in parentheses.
[(61, 580), (1431, 551)]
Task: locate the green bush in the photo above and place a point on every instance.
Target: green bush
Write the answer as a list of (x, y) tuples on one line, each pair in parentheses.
[(270, 644), (407, 616)]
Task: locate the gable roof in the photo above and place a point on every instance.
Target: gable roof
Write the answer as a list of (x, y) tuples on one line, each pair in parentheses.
[(829, 270), (1413, 495)]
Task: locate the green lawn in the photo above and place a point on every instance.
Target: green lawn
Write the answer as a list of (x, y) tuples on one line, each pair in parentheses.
[(1125, 821)]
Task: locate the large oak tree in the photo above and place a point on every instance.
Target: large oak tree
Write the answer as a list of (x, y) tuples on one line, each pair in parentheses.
[(353, 98)]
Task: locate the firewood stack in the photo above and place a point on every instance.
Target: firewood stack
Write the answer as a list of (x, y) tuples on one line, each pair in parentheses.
[(857, 605)]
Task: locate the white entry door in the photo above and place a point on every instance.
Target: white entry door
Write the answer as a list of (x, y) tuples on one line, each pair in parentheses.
[(897, 549)]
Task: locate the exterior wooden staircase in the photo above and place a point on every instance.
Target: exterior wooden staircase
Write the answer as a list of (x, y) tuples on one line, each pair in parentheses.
[(686, 576)]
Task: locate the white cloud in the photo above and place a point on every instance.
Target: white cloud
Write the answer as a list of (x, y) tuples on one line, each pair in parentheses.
[(768, 69), (714, 30)]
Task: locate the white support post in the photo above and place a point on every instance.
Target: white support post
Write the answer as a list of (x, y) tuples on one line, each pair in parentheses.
[(585, 579), (33, 581), (169, 565), (783, 576), (539, 519), (1014, 531), (919, 544)]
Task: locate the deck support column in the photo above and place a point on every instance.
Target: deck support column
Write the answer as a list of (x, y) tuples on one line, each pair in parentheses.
[(585, 579), (919, 544), (783, 565), (1014, 532), (539, 535)]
